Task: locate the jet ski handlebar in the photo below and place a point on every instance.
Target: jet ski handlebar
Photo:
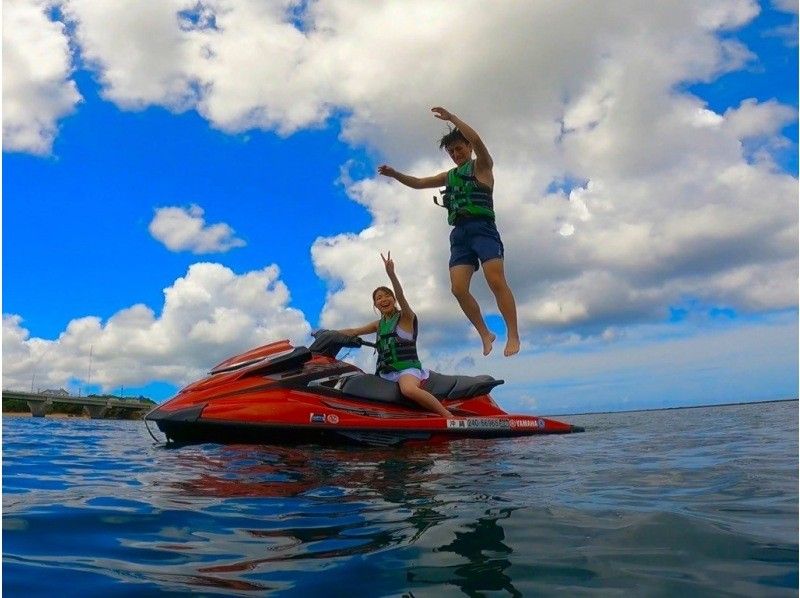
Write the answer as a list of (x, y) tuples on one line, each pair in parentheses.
[(360, 342), (330, 342)]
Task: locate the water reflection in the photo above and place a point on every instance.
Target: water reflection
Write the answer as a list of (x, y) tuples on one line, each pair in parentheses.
[(485, 559), (287, 507), (648, 503)]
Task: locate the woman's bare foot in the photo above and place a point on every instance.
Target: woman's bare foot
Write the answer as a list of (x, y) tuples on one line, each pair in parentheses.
[(512, 346), (444, 412), (441, 409), (487, 343)]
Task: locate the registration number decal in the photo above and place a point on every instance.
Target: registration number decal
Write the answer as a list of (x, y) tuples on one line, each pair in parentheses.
[(478, 423)]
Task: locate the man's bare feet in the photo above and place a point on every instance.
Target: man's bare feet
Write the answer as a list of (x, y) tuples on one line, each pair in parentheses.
[(512, 347), (487, 343)]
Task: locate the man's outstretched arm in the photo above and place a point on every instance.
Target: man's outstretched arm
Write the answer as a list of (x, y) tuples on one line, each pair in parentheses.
[(428, 182)]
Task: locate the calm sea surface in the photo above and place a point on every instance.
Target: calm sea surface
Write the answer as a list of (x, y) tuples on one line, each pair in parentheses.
[(662, 503)]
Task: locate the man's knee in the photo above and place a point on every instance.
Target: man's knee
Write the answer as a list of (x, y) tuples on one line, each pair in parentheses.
[(460, 277), (495, 278), (496, 283), (460, 291)]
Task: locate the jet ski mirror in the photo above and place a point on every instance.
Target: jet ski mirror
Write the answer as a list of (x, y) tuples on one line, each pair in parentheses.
[(330, 342)]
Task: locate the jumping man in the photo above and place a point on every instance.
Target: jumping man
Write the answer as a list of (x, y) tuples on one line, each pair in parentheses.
[(474, 239)]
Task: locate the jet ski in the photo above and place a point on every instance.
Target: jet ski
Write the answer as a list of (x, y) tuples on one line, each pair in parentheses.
[(280, 394)]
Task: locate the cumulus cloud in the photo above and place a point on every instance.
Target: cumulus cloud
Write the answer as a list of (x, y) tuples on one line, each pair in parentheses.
[(139, 50), (654, 366), (789, 6), (208, 315), (37, 91), (666, 208), (185, 229), (758, 119), (644, 234), (667, 201), (671, 205)]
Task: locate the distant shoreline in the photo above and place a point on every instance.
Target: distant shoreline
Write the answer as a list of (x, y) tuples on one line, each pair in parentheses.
[(49, 415), (673, 408), (56, 415)]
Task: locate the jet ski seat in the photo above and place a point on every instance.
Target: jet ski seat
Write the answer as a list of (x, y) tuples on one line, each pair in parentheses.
[(374, 388)]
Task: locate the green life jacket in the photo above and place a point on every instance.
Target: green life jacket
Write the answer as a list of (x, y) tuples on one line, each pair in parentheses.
[(395, 353), (465, 195)]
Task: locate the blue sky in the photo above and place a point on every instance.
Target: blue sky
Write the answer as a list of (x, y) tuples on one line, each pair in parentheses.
[(96, 195), (651, 243)]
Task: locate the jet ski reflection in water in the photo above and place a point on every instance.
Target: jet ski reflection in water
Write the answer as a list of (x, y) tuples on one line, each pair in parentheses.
[(280, 394)]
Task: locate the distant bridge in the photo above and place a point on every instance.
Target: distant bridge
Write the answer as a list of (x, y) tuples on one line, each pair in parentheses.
[(97, 407)]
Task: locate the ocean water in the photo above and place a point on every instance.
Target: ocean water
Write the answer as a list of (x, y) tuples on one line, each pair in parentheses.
[(680, 502)]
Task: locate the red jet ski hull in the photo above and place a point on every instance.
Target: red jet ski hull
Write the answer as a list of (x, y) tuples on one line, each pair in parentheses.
[(278, 394)]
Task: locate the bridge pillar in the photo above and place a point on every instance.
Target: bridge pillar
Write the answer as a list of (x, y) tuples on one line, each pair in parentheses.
[(96, 411), (39, 408)]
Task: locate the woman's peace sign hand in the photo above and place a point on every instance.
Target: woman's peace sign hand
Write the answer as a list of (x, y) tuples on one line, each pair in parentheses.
[(388, 263)]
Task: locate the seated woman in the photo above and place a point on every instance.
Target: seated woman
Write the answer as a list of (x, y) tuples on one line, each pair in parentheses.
[(397, 342)]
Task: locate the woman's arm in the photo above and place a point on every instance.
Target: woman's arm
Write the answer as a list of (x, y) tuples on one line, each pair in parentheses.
[(406, 313), (428, 182), (365, 329)]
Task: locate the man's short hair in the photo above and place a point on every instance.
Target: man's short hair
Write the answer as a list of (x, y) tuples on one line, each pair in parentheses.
[(452, 136)]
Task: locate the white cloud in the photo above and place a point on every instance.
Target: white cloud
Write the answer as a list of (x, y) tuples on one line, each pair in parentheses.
[(758, 119), (790, 6), (674, 207), (37, 91), (674, 203), (209, 314), (758, 126), (654, 366), (138, 49), (185, 229), (786, 32), (246, 63)]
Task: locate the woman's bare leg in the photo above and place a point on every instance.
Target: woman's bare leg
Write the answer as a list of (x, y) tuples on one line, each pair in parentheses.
[(409, 387)]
